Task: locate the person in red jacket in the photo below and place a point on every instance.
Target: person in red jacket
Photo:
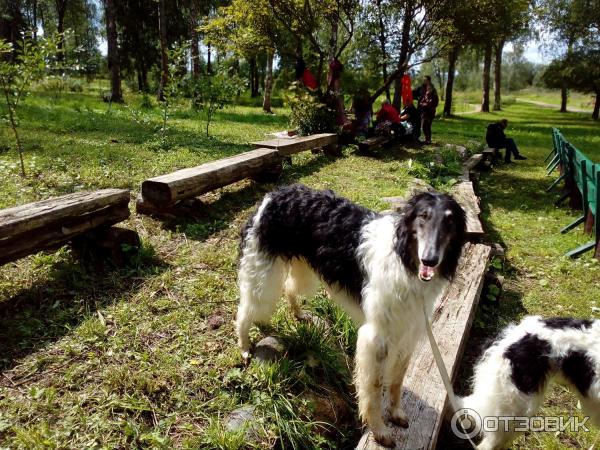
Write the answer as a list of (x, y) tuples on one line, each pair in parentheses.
[(388, 117)]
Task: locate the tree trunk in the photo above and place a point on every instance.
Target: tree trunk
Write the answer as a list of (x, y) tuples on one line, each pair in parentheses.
[(596, 111), (564, 95), (164, 57), (61, 9), (268, 83), (487, 63), (194, 41), (382, 46), (498, 76), (404, 50), (452, 58), (208, 59), (34, 9), (252, 76), (113, 51)]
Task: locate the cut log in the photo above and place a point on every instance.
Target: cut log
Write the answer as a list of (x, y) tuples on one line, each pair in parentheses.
[(50, 223), (289, 146), (373, 143), (165, 190), (465, 195), (473, 161), (424, 397)]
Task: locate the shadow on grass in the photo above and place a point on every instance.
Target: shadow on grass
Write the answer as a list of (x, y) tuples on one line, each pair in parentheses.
[(38, 315)]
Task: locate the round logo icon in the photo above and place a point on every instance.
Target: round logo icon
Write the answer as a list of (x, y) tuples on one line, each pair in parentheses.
[(466, 423)]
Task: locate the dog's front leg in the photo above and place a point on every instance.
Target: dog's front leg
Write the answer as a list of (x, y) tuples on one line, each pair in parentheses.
[(395, 372), (371, 352)]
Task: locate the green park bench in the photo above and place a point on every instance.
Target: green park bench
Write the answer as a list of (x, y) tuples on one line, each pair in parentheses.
[(582, 184)]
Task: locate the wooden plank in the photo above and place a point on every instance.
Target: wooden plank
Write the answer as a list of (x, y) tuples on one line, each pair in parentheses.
[(35, 215), (465, 195), (289, 146), (50, 223), (424, 397), (165, 190), (373, 142), (473, 161)]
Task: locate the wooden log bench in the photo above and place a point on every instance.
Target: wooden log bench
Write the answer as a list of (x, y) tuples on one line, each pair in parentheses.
[(424, 397), (51, 223), (464, 194), (373, 143), (296, 144), (162, 194), (470, 165)]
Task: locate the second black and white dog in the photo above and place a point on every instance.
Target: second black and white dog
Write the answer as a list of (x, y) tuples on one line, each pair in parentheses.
[(513, 375), (382, 269)]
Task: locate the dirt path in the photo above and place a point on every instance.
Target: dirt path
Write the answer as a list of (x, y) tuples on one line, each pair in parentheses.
[(550, 105)]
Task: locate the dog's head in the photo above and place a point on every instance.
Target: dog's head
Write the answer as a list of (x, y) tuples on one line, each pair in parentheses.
[(430, 235)]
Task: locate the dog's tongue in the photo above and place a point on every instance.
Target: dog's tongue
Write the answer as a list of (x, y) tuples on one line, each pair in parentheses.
[(425, 272)]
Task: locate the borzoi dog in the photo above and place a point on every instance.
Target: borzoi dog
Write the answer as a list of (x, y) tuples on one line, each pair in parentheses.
[(382, 269), (513, 375)]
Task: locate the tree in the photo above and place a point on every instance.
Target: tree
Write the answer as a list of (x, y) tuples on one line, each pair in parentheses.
[(578, 70), (16, 75), (566, 19), (61, 10), (164, 47), (248, 29), (113, 51)]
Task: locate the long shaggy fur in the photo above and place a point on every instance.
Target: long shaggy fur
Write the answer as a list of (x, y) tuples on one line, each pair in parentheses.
[(514, 373), (375, 266)]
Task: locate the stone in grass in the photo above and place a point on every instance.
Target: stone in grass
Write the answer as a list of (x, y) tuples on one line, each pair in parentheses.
[(215, 322), (243, 418), (459, 149), (268, 349)]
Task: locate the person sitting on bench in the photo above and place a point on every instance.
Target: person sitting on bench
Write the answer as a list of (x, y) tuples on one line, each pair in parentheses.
[(388, 118), (496, 139), (410, 115)]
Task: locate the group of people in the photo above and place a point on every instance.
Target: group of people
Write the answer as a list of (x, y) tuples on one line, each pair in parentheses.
[(409, 122)]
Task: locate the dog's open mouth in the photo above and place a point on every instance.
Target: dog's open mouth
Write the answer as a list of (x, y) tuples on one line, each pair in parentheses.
[(426, 273)]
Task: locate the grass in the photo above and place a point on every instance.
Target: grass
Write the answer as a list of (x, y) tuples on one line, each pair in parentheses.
[(94, 356)]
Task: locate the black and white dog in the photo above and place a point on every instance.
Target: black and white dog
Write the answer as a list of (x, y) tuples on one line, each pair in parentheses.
[(383, 269), (513, 375)]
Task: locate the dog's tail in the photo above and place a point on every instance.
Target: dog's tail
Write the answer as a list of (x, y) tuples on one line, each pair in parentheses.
[(248, 233)]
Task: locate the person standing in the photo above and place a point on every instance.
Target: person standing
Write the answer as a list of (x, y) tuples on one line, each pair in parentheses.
[(496, 139), (428, 103)]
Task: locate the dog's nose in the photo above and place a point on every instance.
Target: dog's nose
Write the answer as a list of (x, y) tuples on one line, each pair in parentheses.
[(430, 262)]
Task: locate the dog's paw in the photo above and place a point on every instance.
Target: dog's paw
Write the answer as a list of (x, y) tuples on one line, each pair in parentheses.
[(384, 437), (398, 417)]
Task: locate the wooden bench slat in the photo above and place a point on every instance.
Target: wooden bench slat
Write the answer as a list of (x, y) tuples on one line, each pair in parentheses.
[(464, 194), (473, 161), (164, 190), (424, 397), (289, 146), (33, 227), (30, 216)]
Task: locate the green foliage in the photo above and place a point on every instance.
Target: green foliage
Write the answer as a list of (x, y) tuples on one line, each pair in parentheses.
[(212, 93), (309, 115), (19, 67)]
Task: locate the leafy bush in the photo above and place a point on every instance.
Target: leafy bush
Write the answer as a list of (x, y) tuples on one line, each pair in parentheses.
[(212, 93), (309, 115)]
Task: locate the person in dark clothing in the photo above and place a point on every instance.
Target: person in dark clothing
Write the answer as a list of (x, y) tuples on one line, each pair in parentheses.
[(428, 103), (496, 138), (411, 115)]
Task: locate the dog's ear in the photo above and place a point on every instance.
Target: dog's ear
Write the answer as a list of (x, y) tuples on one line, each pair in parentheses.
[(453, 251), (405, 242)]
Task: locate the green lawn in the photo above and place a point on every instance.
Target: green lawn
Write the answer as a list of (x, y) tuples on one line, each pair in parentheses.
[(97, 357)]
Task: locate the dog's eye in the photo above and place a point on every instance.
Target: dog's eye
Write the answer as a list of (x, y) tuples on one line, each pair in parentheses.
[(423, 216)]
